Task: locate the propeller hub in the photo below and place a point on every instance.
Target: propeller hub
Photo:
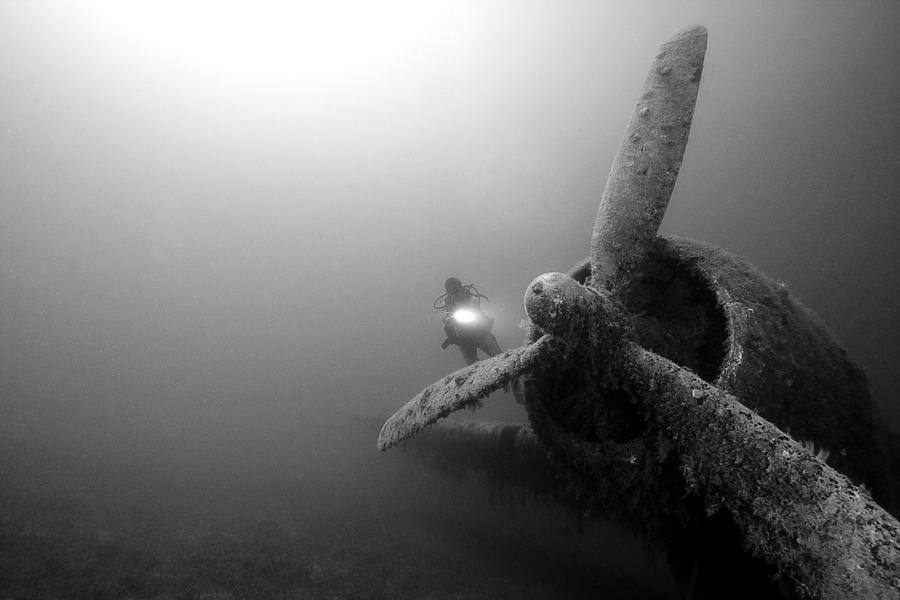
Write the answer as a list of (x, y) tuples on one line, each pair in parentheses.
[(559, 305)]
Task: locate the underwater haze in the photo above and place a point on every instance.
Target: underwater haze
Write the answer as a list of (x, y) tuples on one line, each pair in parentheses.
[(223, 225)]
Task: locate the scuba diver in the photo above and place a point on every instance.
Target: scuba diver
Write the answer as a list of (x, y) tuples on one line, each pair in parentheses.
[(464, 323)]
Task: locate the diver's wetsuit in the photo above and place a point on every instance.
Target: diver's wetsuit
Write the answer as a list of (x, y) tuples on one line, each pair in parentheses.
[(487, 343), (469, 343)]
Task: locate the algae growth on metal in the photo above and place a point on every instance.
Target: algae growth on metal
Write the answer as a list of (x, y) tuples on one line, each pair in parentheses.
[(679, 389)]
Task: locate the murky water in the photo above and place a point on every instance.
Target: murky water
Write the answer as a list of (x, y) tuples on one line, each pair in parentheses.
[(222, 228)]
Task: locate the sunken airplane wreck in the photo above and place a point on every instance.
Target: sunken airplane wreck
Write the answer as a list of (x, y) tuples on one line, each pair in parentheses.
[(674, 387)]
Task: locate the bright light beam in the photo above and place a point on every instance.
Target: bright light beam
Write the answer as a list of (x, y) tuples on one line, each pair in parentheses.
[(464, 315)]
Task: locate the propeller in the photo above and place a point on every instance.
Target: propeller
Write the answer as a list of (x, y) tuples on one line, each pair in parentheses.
[(631, 209), (463, 388), (615, 411), (646, 166)]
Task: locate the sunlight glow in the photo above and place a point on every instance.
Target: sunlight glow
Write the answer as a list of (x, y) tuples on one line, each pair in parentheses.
[(304, 41)]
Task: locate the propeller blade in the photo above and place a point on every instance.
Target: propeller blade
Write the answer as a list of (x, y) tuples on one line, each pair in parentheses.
[(645, 169), (460, 389)]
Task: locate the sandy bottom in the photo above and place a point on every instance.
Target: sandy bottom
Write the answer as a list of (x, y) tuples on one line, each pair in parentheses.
[(116, 525)]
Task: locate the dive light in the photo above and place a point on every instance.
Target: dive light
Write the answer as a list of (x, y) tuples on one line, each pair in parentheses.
[(464, 316)]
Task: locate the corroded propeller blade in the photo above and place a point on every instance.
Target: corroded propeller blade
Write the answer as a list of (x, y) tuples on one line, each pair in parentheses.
[(645, 169), (460, 389)]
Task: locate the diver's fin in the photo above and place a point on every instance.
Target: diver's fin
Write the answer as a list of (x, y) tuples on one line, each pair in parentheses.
[(646, 166), (460, 389)]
